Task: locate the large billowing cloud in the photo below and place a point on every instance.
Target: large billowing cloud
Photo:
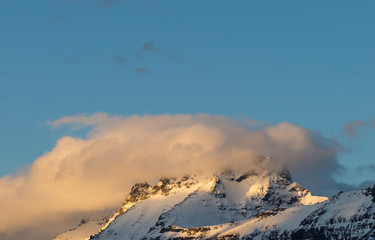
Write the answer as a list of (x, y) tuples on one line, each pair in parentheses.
[(95, 173)]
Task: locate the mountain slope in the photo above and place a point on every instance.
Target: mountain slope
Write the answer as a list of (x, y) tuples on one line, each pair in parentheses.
[(191, 203), (238, 206)]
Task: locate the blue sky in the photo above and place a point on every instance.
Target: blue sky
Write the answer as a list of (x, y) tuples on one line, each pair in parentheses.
[(308, 63)]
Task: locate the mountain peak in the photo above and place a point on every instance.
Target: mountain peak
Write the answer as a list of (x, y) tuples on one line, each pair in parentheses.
[(190, 205)]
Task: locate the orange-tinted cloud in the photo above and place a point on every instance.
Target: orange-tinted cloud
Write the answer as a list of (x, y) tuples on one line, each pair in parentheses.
[(96, 173)]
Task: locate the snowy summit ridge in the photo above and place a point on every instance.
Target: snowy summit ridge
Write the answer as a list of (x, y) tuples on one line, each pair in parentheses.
[(236, 206)]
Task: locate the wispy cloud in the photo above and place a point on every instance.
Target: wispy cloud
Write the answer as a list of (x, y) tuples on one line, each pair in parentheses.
[(120, 59), (72, 59), (351, 129), (142, 70), (99, 119), (148, 47), (151, 48)]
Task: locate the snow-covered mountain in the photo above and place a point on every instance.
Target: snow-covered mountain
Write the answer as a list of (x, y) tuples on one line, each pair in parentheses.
[(234, 206)]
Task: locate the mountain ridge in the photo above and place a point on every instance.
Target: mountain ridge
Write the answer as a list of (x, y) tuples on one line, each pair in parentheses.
[(169, 208)]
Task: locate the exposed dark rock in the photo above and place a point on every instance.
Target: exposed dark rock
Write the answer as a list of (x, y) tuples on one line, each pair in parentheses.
[(370, 191), (138, 192)]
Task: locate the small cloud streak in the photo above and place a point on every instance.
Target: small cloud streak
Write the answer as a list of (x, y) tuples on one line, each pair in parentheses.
[(151, 48), (72, 59), (351, 129), (120, 59), (93, 174), (97, 119), (148, 47), (142, 70)]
